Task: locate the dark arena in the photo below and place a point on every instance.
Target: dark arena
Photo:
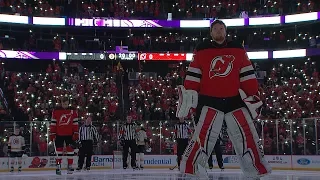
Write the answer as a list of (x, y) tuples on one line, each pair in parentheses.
[(159, 89)]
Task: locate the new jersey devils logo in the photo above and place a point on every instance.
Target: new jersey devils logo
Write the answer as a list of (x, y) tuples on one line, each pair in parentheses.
[(221, 66), (65, 119)]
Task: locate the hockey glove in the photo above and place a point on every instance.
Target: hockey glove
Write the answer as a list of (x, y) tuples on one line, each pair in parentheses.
[(24, 156), (187, 99), (253, 103), (75, 137)]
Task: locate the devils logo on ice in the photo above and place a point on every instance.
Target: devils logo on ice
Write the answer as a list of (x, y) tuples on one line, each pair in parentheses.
[(221, 66)]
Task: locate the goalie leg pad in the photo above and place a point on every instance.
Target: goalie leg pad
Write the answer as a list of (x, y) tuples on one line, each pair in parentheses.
[(246, 143), (203, 140)]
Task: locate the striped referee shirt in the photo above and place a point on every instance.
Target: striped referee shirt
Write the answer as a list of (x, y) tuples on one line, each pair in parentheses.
[(182, 130), (88, 133), (128, 131)]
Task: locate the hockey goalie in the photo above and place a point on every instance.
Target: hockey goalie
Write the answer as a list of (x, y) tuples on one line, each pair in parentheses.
[(64, 131), (221, 85)]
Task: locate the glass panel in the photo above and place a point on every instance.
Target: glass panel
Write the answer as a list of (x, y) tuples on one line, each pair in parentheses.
[(226, 144), (270, 137), (310, 137), (168, 135), (284, 135), (318, 135), (153, 131), (6, 130), (298, 136), (25, 131)]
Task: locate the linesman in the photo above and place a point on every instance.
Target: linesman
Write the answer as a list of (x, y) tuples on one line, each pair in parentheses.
[(88, 136), (128, 136)]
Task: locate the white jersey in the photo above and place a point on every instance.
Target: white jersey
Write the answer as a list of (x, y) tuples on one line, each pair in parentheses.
[(141, 137), (16, 143)]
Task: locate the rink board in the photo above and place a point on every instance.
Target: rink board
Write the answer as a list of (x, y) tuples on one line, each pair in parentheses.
[(280, 162)]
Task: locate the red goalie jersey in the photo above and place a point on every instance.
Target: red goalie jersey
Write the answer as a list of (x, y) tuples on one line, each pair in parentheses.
[(221, 70), (64, 122)]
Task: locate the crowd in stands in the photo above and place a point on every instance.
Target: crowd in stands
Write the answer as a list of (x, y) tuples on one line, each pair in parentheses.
[(155, 8), (153, 40), (290, 91)]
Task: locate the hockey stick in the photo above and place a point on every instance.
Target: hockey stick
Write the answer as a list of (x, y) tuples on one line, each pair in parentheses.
[(55, 148), (173, 167)]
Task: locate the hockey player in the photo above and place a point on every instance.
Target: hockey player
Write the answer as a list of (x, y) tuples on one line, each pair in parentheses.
[(141, 139), (64, 130), (16, 149), (221, 84)]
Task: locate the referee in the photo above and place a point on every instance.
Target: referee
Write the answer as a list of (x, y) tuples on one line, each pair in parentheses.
[(88, 135), (181, 135), (218, 151), (128, 135)]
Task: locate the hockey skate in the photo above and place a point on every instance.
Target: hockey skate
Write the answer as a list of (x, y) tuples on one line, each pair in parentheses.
[(222, 168), (141, 167), (87, 168), (70, 169), (19, 169), (78, 169), (12, 169), (58, 170)]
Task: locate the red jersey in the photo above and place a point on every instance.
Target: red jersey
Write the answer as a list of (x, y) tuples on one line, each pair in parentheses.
[(221, 70), (64, 122)]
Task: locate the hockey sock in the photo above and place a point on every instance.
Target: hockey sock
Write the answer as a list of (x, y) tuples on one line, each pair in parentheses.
[(58, 160), (19, 161), (138, 159), (12, 162), (70, 161), (141, 159)]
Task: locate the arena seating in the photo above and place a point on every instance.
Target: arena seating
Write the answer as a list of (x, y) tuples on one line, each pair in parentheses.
[(155, 40), (290, 92), (156, 9)]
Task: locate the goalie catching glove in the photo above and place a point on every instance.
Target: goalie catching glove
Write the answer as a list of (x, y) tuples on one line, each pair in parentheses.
[(253, 103), (187, 99)]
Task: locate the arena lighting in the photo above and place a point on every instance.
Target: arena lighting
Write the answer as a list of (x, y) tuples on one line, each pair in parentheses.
[(125, 23), (148, 56), (14, 19), (49, 21), (290, 53)]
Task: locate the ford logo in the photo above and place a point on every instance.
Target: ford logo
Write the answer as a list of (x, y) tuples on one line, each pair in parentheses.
[(303, 161)]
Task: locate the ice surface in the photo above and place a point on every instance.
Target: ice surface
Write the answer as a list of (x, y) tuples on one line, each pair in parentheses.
[(150, 174)]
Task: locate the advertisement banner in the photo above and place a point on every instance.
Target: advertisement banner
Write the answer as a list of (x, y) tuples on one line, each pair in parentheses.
[(165, 161), (29, 55), (309, 162), (125, 23), (37, 162), (162, 56), (117, 23), (281, 161), (86, 56)]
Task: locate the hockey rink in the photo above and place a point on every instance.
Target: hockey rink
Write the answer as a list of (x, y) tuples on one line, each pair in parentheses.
[(150, 174)]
